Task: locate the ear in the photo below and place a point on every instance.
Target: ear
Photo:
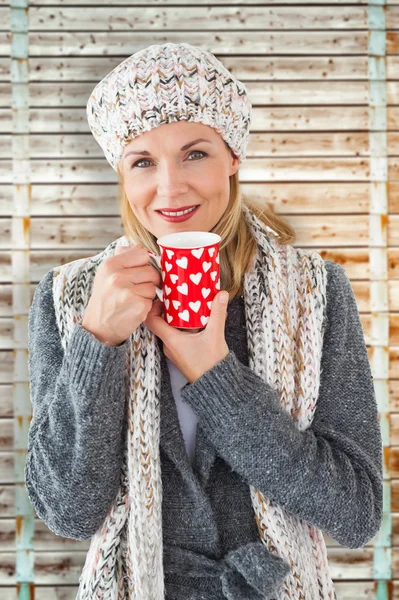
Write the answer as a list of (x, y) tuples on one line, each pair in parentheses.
[(234, 164)]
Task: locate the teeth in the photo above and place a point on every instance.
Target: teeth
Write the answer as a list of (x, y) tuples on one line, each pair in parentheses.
[(178, 214)]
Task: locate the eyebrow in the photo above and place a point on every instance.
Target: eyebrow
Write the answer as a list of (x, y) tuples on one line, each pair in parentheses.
[(185, 147)]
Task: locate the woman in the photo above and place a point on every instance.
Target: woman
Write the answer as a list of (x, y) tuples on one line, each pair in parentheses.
[(277, 393)]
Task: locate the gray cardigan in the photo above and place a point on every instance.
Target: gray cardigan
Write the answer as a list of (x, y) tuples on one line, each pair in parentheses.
[(330, 475)]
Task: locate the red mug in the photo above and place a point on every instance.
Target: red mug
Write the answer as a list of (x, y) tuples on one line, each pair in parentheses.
[(190, 268)]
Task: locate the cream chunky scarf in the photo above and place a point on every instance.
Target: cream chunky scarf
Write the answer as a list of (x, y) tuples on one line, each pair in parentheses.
[(285, 302)]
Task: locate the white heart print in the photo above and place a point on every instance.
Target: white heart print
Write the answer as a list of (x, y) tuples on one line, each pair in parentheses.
[(182, 262), (168, 266), (195, 306), (217, 285), (183, 288), (205, 292), (213, 275), (217, 259), (196, 278), (211, 251), (166, 302), (174, 278), (184, 315), (206, 266), (197, 253), (169, 318), (176, 303), (204, 320), (167, 290), (210, 304), (170, 253)]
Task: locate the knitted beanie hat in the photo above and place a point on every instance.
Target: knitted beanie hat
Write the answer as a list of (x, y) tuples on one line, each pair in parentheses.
[(165, 83)]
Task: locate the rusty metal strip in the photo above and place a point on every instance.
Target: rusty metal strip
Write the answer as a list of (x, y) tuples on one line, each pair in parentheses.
[(378, 252), (20, 243)]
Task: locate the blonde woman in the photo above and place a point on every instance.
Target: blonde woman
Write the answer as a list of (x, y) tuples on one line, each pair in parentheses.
[(207, 464)]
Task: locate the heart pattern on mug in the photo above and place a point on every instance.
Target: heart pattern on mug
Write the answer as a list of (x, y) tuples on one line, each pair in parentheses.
[(199, 252), (182, 262), (195, 306), (183, 288), (201, 279), (196, 278)]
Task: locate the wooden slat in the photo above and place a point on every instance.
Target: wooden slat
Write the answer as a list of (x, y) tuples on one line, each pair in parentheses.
[(259, 144), (219, 18), (7, 365), (45, 540), (354, 260), (318, 230), (394, 373), (7, 504), (4, 19), (253, 169), (361, 290), (346, 590), (333, 118), (276, 68), (52, 568), (245, 18), (7, 330), (249, 69), (303, 197), (5, 95), (75, 93), (5, 63), (5, 120), (256, 43), (202, 3)]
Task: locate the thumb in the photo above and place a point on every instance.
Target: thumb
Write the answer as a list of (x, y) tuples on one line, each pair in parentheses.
[(218, 314)]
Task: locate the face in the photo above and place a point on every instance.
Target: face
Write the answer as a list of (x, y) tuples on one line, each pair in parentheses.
[(168, 171)]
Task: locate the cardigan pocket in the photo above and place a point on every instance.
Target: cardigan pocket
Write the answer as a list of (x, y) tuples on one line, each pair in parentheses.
[(253, 573)]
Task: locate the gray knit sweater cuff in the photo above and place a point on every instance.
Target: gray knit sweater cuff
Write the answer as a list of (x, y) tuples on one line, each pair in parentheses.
[(90, 360), (210, 395)]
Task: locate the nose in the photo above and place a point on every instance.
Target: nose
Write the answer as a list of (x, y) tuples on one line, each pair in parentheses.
[(171, 179)]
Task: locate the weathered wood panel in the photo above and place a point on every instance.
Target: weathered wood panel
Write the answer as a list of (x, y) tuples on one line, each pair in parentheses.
[(315, 152)]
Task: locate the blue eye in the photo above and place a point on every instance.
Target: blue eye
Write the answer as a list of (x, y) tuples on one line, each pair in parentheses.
[(148, 160)]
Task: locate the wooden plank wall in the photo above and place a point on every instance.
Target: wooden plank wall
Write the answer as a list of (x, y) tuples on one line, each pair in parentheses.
[(324, 149)]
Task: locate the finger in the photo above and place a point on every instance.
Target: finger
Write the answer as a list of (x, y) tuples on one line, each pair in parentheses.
[(131, 256), (123, 247)]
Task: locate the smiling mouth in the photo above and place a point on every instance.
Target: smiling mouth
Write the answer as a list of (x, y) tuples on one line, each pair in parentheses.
[(177, 216), (173, 212)]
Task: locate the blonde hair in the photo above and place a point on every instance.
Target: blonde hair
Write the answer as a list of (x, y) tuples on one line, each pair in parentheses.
[(237, 246)]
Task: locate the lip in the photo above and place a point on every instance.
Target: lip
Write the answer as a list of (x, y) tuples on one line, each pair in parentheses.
[(181, 218)]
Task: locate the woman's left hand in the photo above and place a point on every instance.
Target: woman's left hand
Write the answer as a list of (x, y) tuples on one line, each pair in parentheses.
[(192, 353)]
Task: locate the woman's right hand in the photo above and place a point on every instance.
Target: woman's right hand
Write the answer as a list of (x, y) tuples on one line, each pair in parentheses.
[(122, 295)]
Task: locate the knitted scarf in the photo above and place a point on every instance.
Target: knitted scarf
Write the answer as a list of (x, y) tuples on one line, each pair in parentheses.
[(285, 303)]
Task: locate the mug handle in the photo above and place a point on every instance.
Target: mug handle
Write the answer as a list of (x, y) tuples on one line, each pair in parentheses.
[(158, 261)]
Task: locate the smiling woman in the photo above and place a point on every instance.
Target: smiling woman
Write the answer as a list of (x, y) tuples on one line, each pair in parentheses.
[(188, 164), (288, 441)]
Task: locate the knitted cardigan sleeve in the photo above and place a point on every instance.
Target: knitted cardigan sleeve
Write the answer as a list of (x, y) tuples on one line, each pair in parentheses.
[(78, 422), (331, 474)]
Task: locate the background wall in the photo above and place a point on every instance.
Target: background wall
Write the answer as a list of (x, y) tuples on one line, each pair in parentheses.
[(324, 149)]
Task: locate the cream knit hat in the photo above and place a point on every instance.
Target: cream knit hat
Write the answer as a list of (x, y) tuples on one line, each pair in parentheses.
[(165, 83)]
